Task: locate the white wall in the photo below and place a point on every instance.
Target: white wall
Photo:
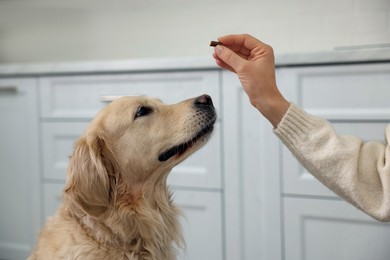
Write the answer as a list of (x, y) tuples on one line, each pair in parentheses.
[(58, 30)]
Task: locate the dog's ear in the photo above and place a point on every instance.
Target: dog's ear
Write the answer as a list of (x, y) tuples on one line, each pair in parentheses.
[(92, 174)]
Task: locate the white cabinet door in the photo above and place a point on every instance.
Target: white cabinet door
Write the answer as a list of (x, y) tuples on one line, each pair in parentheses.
[(252, 181), (354, 98), (332, 229), (202, 224), (19, 168)]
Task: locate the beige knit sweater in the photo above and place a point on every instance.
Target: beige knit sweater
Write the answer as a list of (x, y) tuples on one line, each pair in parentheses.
[(357, 171)]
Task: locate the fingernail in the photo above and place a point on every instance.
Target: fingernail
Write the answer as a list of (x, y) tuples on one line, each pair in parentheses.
[(218, 49)]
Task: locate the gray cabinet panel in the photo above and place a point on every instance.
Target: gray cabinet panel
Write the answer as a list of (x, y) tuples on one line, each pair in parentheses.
[(332, 229), (19, 168), (355, 100), (252, 181)]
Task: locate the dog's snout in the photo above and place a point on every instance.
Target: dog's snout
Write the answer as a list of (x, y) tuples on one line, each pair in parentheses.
[(204, 100)]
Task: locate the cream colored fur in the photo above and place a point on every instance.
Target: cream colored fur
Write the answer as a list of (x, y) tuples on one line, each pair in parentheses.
[(116, 203)]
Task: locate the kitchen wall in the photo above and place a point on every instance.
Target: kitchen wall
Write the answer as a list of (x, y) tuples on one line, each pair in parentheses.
[(57, 30)]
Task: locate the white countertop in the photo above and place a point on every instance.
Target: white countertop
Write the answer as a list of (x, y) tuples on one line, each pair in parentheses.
[(188, 63), (334, 57), (134, 65)]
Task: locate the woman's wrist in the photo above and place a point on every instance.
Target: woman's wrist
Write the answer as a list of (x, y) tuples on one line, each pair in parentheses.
[(273, 107)]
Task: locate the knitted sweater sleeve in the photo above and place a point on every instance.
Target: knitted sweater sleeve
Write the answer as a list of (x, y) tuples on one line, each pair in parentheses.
[(357, 171)]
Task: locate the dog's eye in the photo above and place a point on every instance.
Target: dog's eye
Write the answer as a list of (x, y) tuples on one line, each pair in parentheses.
[(143, 111)]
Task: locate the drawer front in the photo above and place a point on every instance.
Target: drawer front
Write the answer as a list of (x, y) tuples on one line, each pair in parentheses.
[(332, 229), (58, 141), (339, 92), (202, 224), (81, 96), (201, 170), (19, 167), (353, 98), (202, 215)]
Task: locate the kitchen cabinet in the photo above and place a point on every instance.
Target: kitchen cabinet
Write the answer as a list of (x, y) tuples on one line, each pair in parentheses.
[(19, 167), (317, 224), (71, 103), (244, 196), (270, 197)]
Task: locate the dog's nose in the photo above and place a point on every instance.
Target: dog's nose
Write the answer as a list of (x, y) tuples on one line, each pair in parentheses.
[(204, 100)]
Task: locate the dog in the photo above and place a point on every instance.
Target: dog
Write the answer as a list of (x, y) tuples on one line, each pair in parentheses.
[(116, 201)]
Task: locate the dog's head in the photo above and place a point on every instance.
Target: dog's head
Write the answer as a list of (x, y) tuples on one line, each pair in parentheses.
[(133, 141)]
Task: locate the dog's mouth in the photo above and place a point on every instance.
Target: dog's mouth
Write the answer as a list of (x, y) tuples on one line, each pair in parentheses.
[(182, 148)]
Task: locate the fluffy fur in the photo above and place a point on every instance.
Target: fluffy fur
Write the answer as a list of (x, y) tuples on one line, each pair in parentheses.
[(116, 201)]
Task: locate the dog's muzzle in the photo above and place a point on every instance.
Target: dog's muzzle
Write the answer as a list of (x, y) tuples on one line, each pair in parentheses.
[(204, 105)]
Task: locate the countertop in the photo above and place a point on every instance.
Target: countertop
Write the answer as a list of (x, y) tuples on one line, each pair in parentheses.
[(188, 63)]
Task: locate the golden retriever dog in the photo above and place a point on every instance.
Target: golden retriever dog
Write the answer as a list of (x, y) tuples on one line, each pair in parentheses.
[(116, 202)]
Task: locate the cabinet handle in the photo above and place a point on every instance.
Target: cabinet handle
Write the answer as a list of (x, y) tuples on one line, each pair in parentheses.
[(8, 89), (110, 98)]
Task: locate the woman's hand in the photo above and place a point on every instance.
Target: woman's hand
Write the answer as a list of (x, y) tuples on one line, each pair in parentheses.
[(253, 62)]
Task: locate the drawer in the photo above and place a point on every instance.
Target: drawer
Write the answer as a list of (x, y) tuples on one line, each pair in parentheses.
[(339, 92), (332, 229), (201, 170), (81, 96)]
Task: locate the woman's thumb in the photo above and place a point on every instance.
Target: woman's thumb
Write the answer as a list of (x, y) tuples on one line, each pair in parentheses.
[(228, 56)]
